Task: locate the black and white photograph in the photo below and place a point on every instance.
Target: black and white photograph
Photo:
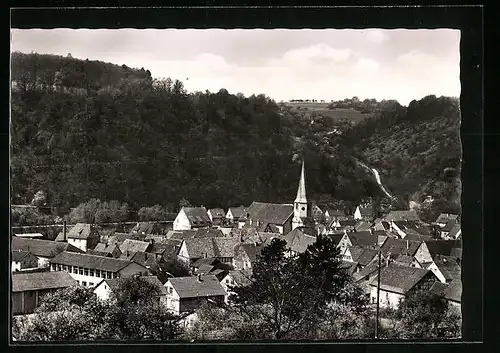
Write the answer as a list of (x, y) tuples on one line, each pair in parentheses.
[(235, 184)]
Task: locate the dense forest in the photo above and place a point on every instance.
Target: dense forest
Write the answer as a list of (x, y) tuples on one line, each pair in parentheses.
[(86, 130)]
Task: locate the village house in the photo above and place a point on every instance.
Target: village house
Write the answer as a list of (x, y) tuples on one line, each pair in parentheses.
[(445, 268), (29, 288), (186, 294), (451, 230), (404, 228), (234, 213), (102, 249), (279, 215), (44, 250), (23, 260), (445, 218), (360, 255), (363, 226), (146, 259), (221, 249), (337, 215), (297, 242), (83, 236), (195, 233), (364, 276), (363, 213), (394, 247), (192, 217), (217, 216), (88, 270), (131, 245), (105, 288), (146, 228), (430, 248), (364, 239), (397, 282), (245, 255), (235, 278), (118, 238)]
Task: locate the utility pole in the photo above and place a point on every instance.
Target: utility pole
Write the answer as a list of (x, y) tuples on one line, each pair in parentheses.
[(378, 294)]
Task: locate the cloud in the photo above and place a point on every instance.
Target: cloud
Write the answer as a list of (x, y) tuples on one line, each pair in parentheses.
[(377, 36), (365, 65), (317, 53)]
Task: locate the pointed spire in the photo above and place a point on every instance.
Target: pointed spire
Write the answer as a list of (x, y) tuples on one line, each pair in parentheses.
[(301, 191)]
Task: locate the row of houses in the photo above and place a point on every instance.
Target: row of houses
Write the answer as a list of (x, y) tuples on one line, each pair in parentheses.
[(217, 256)]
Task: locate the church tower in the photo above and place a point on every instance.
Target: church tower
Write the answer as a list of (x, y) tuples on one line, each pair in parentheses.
[(301, 208)]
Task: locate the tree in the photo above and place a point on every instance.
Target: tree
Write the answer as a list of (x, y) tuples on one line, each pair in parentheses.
[(76, 313), (40, 199), (184, 203), (288, 293), (154, 213), (97, 211), (426, 315)]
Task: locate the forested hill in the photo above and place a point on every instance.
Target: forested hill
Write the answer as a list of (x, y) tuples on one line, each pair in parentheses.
[(84, 129)]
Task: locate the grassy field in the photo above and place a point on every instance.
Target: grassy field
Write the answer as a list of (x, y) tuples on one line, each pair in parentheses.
[(337, 113)]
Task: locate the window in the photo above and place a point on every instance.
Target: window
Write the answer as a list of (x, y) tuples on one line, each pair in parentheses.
[(86, 271), (303, 208), (98, 273), (91, 272), (110, 275), (91, 284), (53, 267), (81, 270), (84, 283), (115, 275), (65, 268), (170, 290), (59, 267), (103, 274)]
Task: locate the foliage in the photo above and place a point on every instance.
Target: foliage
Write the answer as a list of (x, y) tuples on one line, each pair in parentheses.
[(154, 213), (97, 211), (76, 313), (72, 121), (288, 294), (425, 315), (29, 216), (40, 199)]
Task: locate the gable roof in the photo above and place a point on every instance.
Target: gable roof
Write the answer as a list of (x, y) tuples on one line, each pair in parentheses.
[(80, 231), (19, 255), (404, 260), (336, 238), (118, 238), (297, 241), (41, 280), (212, 247), (362, 226), (240, 277), (362, 239), (442, 247), (399, 279), (237, 212), (91, 261), (448, 266), (147, 228), (197, 216), (42, 248), (396, 247), (366, 211), (191, 287), (455, 231), (454, 291), (335, 213), (439, 288), (270, 212), (347, 223), (217, 212), (445, 217), (131, 245), (370, 269), (402, 215), (363, 256), (145, 259)]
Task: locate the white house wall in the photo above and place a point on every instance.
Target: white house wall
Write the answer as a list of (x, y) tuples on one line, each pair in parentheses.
[(181, 222), (386, 299)]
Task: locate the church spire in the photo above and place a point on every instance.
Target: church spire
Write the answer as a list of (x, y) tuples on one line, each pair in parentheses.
[(301, 191)]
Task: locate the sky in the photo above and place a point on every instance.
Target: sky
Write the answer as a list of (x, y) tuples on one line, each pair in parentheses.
[(324, 64)]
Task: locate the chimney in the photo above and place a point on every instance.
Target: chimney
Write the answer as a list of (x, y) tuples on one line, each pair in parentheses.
[(407, 244), (64, 231)]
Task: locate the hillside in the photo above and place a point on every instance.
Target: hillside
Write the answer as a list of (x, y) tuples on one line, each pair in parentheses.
[(124, 136)]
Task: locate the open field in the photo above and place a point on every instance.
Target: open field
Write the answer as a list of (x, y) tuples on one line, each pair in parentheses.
[(337, 113)]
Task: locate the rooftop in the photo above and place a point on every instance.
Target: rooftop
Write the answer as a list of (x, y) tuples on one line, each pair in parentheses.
[(42, 248), (41, 280), (90, 261), (399, 279), (192, 287), (270, 212)]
